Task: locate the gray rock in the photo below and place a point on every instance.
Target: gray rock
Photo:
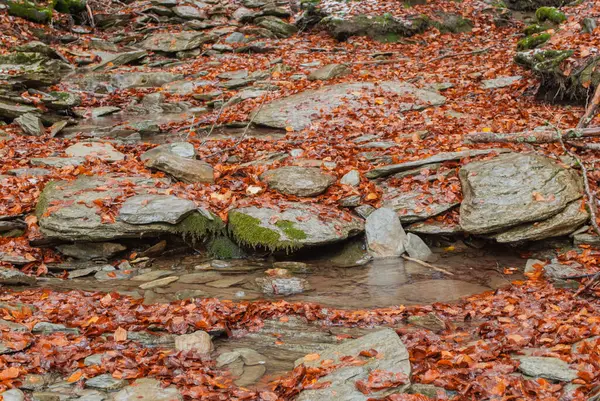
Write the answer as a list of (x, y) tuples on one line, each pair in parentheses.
[(152, 275), (244, 14), (104, 111), (161, 282), (282, 285), (121, 59), (564, 223), (31, 124), (411, 206), (187, 170), (76, 221), (428, 390), (251, 375), (182, 149), (148, 209), (175, 42), (504, 192), (417, 249), (294, 225), (84, 272), (102, 151), (14, 259), (329, 71), (198, 341), (226, 282), (364, 210), (61, 100), (91, 250), (299, 181), (57, 162), (547, 368), (15, 277), (147, 389), (106, 382), (435, 228), (13, 395), (49, 328), (29, 172), (108, 275), (280, 28), (126, 80), (393, 357), (298, 111), (385, 235), (31, 69), (438, 158), (189, 12), (351, 178), (429, 321), (12, 110), (12, 326), (236, 37), (586, 239), (500, 82)]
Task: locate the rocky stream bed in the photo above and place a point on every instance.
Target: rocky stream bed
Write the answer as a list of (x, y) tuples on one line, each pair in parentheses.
[(298, 200)]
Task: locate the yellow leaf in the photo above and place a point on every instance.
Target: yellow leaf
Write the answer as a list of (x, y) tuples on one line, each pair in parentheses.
[(371, 196), (75, 376), (289, 129), (311, 357), (487, 129)]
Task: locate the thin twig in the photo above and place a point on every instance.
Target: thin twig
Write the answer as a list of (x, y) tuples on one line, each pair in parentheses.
[(590, 111), (91, 15), (589, 285), (438, 269), (453, 55), (591, 200)]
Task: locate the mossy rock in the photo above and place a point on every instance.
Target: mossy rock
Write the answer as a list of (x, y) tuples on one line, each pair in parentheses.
[(531, 42), (222, 247), (532, 5), (550, 14), (69, 6), (384, 28), (30, 11), (535, 28), (81, 220), (292, 227), (451, 23)]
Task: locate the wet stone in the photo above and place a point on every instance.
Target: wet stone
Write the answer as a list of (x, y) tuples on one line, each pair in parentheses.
[(13, 395), (198, 341), (102, 151), (148, 209), (92, 250), (547, 368), (299, 181), (31, 124), (226, 282), (148, 389), (329, 71), (49, 328), (417, 248), (105, 382), (95, 359), (152, 275), (15, 277), (351, 178), (161, 282), (385, 235), (282, 285), (182, 149), (251, 375)]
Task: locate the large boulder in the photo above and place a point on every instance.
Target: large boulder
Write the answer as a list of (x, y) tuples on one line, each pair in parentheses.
[(514, 189), (299, 181), (292, 225), (72, 211), (175, 42), (386, 354), (298, 111), (385, 235), (381, 28)]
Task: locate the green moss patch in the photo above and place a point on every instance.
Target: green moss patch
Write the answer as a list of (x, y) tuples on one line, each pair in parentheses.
[(69, 6), (29, 10), (197, 226), (42, 202), (224, 248), (551, 14), (534, 28), (531, 42), (248, 230)]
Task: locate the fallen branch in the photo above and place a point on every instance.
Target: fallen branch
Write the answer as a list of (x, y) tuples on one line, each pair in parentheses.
[(540, 136), (591, 199), (588, 146), (453, 55), (590, 111), (91, 15), (589, 285), (437, 269)]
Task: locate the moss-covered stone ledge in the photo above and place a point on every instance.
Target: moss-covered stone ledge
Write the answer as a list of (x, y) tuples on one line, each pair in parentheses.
[(66, 212), (30, 10), (384, 28), (291, 226)]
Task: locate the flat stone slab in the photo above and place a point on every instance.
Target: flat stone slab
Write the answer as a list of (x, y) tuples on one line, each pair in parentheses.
[(67, 211), (175, 42), (548, 368), (103, 151), (148, 209), (292, 225), (384, 171), (568, 220), (392, 356), (298, 111), (148, 390), (299, 181), (513, 189), (411, 206), (182, 149)]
